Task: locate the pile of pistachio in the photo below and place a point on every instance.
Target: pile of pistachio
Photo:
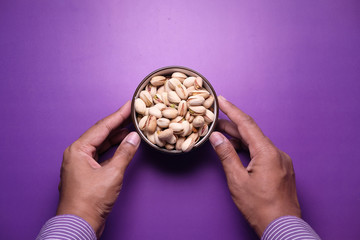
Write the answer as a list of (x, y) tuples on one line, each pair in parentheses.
[(175, 111)]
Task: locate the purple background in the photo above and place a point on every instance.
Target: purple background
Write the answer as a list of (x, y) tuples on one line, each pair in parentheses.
[(292, 65)]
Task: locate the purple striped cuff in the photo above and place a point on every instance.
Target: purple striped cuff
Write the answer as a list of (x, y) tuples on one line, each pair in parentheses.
[(289, 227), (66, 227)]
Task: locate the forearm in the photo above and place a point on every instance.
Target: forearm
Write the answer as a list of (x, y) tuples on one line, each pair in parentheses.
[(288, 228), (66, 227)]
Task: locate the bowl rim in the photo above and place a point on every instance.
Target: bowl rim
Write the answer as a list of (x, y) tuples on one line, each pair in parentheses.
[(154, 146)]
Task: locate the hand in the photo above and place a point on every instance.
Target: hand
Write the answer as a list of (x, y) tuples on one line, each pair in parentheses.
[(265, 189), (89, 189)]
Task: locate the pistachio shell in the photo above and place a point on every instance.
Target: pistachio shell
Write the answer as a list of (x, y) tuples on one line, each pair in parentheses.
[(178, 119), (160, 106), (205, 94), (142, 123), (169, 146), (179, 75), (177, 128), (209, 116), (158, 98), (196, 100), (197, 110), (198, 83), (173, 82), (163, 122), (146, 97), (157, 140), (181, 91), (161, 90), (172, 139), (186, 126), (190, 90), (158, 81), (209, 102), (165, 98), (166, 134), (151, 124), (151, 89), (189, 82), (151, 137), (187, 145), (203, 130), (173, 97), (155, 112), (140, 106), (182, 108), (166, 86), (198, 121), (169, 113), (179, 142)]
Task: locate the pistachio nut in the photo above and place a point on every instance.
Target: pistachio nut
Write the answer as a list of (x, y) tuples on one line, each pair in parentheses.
[(161, 90), (190, 90), (178, 119), (151, 137), (205, 94), (151, 89), (196, 100), (147, 112), (169, 146), (169, 113), (197, 110), (160, 106), (142, 123), (186, 127), (173, 82), (172, 139), (179, 142), (209, 102), (182, 108), (165, 98), (177, 128), (198, 83), (155, 112), (188, 82), (157, 140), (173, 97), (198, 122), (179, 75), (209, 116), (203, 130), (140, 106), (166, 135), (151, 124), (188, 144), (181, 91), (163, 122), (158, 81), (166, 86), (158, 98), (146, 97)]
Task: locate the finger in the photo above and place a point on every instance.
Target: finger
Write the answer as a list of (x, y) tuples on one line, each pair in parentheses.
[(96, 135), (125, 152), (114, 138), (248, 129), (228, 127), (237, 144), (228, 156)]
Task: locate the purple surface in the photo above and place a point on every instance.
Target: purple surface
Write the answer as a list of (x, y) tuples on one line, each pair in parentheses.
[(292, 65)]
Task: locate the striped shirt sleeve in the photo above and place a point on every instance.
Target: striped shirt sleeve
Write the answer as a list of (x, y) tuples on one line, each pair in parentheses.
[(289, 228), (66, 227)]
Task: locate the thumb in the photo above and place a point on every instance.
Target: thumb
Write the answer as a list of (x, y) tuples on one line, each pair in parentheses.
[(227, 154), (125, 152)]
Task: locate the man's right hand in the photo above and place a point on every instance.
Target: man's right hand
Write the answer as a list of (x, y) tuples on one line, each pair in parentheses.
[(265, 189)]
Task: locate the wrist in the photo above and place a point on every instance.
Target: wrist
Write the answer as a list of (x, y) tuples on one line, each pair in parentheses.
[(86, 213)]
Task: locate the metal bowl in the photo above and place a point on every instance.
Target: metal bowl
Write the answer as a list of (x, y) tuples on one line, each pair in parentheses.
[(164, 71)]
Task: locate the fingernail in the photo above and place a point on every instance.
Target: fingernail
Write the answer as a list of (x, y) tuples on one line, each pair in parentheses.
[(133, 138), (222, 98), (216, 139)]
